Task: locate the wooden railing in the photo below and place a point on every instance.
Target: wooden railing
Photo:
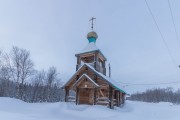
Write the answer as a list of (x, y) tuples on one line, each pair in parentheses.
[(102, 101), (71, 99)]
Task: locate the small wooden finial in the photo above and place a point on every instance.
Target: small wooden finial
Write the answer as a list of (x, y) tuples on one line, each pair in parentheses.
[(109, 70), (92, 24)]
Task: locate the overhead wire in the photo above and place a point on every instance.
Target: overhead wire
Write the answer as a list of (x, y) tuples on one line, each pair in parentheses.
[(165, 43), (163, 39), (174, 25), (163, 83)]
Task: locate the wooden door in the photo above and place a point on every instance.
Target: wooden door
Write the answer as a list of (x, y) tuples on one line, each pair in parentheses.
[(85, 96)]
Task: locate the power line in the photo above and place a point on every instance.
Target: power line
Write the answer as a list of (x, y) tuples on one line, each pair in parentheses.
[(174, 25), (164, 41), (164, 83)]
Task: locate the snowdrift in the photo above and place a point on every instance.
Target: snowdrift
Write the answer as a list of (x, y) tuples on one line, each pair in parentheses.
[(13, 109)]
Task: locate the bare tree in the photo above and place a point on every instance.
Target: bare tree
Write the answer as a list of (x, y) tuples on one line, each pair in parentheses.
[(4, 76), (21, 67), (158, 95), (4, 68), (1, 57), (51, 78), (37, 83), (17, 79)]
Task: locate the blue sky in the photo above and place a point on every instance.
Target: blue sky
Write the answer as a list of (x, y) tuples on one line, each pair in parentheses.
[(54, 30)]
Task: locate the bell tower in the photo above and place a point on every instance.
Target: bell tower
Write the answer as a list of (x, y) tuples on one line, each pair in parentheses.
[(91, 54)]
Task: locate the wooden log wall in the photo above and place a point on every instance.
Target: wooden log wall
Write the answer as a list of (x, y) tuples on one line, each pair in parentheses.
[(111, 97), (77, 96), (95, 96), (66, 94)]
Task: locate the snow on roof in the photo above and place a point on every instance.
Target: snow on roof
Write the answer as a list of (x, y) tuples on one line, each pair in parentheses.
[(85, 75), (108, 79), (89, 48), (72, 77)]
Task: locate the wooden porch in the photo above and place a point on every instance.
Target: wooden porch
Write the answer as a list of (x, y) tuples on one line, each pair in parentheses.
[(91, 96)]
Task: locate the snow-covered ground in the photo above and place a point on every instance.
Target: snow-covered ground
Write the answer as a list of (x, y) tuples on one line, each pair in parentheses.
[(13, 109)]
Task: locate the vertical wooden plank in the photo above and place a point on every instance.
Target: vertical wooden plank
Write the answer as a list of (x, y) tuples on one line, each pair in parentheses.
[(95, 78), (117, 98), (78, 60), (123, 98), (66, 94), (110, 97), (104, 67), (120, 98), (104, 70), (112, 103), (77, 96), (78, 63), (77, 67), (77, 77), (96, 61), (95, 91)]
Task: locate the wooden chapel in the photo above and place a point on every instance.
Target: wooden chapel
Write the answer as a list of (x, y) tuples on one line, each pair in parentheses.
[(90, 83)]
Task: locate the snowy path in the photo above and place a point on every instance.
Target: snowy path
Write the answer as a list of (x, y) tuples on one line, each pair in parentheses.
[(13, 109)]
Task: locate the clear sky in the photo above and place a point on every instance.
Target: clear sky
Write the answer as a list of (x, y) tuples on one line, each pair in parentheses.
[(54, 30)]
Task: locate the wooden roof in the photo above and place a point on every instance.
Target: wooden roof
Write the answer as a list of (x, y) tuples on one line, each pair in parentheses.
[(105, 78), (88, 78)]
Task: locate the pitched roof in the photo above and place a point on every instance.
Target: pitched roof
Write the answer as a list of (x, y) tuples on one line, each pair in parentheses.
[(107, 79), (72, 77), (91, 47), (88, 78)]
